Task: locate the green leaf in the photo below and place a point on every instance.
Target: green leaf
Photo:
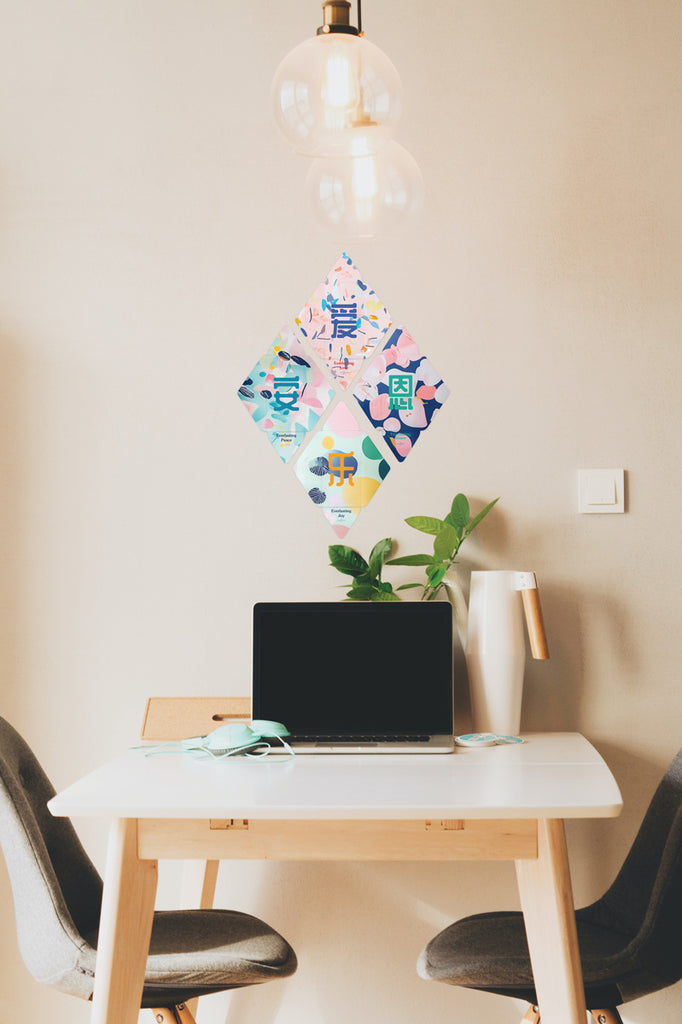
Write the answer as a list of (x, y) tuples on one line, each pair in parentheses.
[(347, 560), (460, 510), (436, 575), (362, 593), (362, 579), (408, 586), (481, 515), (411, 560), (384, 595), (378, 555), (427, 524), (451, 520), (445, 543)]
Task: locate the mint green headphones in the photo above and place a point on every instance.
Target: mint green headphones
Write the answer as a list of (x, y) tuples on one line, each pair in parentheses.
[(238, 737), (254, 740)]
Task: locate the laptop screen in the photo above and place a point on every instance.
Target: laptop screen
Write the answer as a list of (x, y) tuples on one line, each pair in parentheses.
[(354, 668)]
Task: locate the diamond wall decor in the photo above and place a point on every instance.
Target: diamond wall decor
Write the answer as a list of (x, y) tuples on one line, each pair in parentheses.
[(400, 393), (343, 321), (341, 469), (285, 394), (343, 325)]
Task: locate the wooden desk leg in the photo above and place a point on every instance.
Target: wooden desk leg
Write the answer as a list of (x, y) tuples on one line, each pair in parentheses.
[(549, 916), (199, 879), (125, 928)]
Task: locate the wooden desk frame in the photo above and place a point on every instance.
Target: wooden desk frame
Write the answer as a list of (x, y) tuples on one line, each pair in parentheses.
[(538, 847), (505, 803)]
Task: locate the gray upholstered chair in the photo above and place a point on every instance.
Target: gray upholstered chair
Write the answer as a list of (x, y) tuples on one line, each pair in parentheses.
[(58, 893), (629, 939)]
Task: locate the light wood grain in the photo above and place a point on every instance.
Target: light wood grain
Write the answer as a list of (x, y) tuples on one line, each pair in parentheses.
[(199, 879), (125, 927), (338, 840), (535, 623), (549, 916), (182, 1014), (198, 883), (176, 718)]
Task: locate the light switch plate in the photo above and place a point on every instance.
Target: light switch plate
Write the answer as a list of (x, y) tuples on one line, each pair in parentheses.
[(601, 491)]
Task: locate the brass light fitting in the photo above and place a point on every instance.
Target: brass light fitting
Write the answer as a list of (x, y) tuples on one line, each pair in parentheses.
[(336, 18)]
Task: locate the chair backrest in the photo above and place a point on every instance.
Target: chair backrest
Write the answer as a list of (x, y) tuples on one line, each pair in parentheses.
[(645, 900), (57, 891), (176, 718)]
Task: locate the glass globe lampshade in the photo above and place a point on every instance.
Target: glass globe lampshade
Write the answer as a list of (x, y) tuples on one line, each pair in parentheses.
[(369, 193), (330, 85)]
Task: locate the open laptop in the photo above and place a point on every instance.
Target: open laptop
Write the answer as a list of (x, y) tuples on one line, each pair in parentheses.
[(356, 677)]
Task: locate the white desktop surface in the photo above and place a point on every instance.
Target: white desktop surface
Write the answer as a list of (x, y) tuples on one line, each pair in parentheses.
[(550, 775), (505, 802)]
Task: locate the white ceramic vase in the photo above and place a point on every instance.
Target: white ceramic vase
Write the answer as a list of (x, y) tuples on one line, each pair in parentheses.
[(460, 612), (495, 652)]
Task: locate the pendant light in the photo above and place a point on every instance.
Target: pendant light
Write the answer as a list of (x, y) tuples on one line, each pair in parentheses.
[(330, 87), (337, 98), (372, 192)]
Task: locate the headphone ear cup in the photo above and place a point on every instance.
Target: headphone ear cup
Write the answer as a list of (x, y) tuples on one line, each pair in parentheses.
[(264, 728), (234, 734)]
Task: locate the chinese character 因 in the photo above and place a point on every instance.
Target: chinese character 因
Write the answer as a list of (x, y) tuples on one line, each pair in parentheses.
[(344, 319), (400, 391)]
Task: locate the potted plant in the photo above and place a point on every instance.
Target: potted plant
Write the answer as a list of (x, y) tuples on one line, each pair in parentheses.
[(448, 535)]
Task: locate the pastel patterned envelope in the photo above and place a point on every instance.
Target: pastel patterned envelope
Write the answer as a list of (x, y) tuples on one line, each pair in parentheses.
[(400, 393), (285, 394), (341, 469), (343, 321)]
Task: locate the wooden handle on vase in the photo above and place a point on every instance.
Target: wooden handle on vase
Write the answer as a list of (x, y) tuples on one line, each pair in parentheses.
[(535, 623)]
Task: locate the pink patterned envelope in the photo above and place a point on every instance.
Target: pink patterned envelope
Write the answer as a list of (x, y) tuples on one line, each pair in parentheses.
[(341, 469), (343, 321), (285, 395), (400, 393)]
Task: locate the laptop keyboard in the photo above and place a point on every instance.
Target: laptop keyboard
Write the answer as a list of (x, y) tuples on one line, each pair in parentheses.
[(402, 738)]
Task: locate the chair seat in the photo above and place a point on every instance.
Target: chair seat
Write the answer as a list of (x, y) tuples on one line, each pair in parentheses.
[(58, 899), (196, 952), (490, 952), (629, 939)]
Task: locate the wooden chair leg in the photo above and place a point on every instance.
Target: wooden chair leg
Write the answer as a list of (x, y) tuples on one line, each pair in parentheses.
[(531, 1016), (184, 1015), (173, 1015), (609, 1016)]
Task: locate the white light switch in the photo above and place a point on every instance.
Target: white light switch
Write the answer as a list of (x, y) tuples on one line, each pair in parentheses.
[(601, 490)]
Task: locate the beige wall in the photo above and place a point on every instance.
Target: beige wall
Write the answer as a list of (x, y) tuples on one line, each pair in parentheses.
[(153, 240)]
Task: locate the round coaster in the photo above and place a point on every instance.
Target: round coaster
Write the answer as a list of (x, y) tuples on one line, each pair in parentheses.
[(476, 739), (485, 739)]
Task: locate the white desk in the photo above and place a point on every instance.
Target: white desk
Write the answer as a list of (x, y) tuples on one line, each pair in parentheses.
[(506, 802)]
